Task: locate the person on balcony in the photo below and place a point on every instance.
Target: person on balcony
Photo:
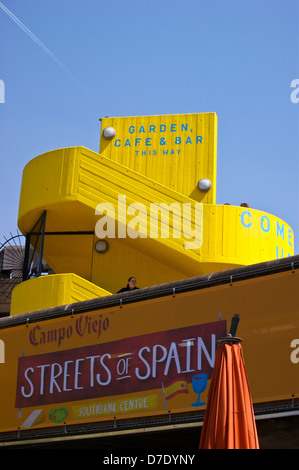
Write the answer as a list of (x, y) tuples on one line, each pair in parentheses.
[(131, 285)]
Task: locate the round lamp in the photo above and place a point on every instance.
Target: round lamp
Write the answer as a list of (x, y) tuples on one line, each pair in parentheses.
[(101, 246), (204, 184), (109, 132)]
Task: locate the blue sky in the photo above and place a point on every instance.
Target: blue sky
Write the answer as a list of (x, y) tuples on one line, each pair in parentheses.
[(139, 57)]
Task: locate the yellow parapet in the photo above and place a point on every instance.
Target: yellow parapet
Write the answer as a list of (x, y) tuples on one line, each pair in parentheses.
[(53, 290), (73, 185)]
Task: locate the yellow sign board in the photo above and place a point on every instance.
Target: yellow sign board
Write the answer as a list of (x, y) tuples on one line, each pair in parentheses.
[(148, 357), (175, 150)]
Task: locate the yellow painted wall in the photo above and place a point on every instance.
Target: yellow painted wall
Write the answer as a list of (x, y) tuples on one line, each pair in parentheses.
[(174, 150)]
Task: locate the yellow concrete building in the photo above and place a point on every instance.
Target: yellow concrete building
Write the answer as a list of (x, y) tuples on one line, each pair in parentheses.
[(144, 206)]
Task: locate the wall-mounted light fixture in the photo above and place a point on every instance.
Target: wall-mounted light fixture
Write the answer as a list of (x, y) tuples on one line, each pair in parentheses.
[(101, 246), (109, 132), (204, 184)]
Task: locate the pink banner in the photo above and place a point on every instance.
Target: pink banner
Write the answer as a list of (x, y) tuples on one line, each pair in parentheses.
[(120, 367)]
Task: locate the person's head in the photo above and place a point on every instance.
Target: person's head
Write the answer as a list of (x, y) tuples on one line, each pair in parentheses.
[(131, 282)]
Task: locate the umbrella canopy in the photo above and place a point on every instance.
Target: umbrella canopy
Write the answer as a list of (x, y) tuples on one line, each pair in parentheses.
[(229, 418)]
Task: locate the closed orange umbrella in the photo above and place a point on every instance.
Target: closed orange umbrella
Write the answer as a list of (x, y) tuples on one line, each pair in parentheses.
[(229, 418)]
